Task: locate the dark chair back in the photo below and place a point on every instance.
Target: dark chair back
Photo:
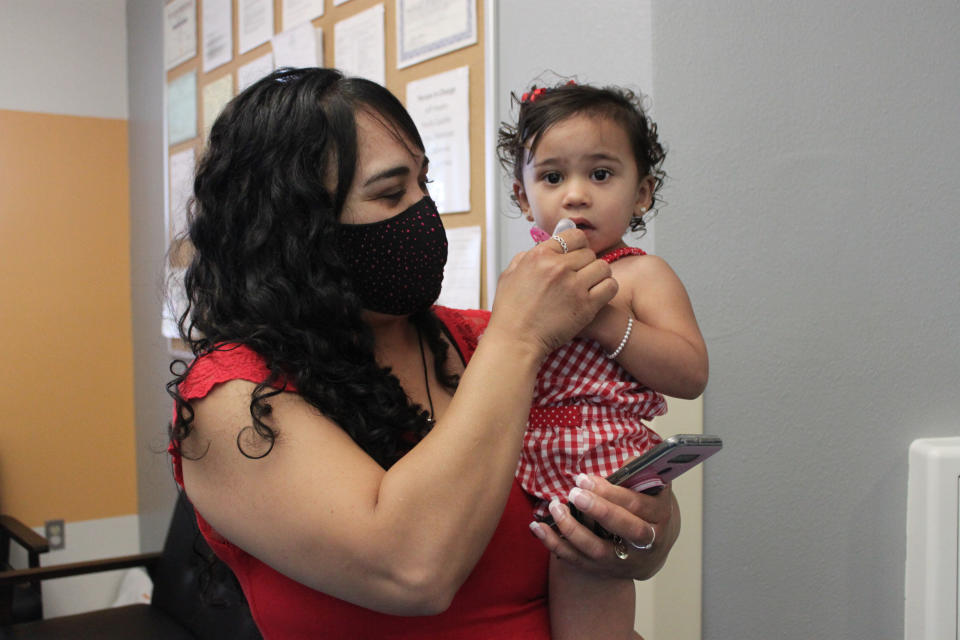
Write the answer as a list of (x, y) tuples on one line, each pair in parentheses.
[(193, 597), (194, 587)]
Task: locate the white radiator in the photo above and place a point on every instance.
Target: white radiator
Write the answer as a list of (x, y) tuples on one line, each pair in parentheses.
[(932, 609)]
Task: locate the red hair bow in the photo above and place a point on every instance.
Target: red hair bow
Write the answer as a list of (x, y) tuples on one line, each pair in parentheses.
[(532, 95)]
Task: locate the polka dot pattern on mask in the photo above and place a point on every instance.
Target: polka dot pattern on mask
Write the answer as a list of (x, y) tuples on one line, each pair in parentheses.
[(397, 264)]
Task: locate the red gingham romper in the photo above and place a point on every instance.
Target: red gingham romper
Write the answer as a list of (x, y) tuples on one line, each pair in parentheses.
[(587, 417)]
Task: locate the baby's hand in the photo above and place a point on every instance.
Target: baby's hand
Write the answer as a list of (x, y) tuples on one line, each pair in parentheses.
[(606, 327)]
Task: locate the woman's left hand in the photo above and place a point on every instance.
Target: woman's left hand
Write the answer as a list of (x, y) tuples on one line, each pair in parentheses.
[(637, 518)]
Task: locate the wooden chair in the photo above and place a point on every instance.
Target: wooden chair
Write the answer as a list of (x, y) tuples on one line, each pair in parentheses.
[(20, 602), (180, 608)]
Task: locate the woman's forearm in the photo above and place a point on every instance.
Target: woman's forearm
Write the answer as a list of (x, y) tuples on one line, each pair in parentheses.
[(448, 493)]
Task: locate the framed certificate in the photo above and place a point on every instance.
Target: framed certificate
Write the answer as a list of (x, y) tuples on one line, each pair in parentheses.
[(429, 28)]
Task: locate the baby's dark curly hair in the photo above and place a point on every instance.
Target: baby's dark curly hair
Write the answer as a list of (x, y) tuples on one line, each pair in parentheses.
[(266, 271), (541, 108)]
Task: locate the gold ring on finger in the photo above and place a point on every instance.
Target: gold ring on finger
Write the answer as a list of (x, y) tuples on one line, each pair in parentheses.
[(619, 548)]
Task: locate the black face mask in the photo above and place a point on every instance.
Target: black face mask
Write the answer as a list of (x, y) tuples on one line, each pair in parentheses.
[(397, 264)]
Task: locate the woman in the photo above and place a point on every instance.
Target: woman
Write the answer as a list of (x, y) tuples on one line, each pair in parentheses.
[(355, 474)]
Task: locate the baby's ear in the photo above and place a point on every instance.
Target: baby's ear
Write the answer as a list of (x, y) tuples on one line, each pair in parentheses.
[(644, 195), (521, 195)]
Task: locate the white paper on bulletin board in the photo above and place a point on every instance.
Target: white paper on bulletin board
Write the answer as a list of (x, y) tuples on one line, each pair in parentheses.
[(182, 165), (253, 71), (214, 97), (296, 11), (461, 277), (254, 23), (358, 45), (182, 108), (430, 28), (440, 107), (301, 46), (217, 33), (174, 303), (180, 32)]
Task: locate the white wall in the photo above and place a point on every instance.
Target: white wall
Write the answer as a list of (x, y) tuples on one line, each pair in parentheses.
[(813, 214), (64, 56), (155, 486), (86, 540)]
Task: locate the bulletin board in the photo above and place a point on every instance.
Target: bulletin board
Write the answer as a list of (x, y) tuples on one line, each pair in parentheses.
[(185, 76)]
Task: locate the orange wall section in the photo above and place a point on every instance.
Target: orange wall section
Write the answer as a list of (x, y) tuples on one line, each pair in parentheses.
[(66, 356)]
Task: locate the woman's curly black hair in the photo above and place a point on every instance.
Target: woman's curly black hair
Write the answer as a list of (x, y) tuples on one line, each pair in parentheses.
[(541, 108), (266, 273)]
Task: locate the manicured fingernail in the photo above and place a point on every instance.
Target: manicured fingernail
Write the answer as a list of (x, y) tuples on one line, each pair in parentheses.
[(581, 498), (585, 482), (537, 531), (557, 510), (563, 225)]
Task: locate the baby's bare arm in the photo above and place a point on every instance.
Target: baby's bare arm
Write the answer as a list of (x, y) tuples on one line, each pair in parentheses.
[(587, 605), (665, 350)]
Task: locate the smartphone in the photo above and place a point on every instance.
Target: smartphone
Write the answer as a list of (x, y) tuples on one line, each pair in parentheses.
[(651, 471)]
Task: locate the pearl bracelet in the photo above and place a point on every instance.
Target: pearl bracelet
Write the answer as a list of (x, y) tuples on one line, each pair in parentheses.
[(623, 343)]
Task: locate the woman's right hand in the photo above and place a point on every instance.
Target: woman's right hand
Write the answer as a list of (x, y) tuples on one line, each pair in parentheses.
[(547, 296)]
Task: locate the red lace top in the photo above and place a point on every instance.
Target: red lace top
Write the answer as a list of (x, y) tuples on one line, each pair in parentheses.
[(504, 597), (587, 417)]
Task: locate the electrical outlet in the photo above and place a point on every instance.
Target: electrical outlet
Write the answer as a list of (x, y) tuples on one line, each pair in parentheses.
[(56, 534)]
